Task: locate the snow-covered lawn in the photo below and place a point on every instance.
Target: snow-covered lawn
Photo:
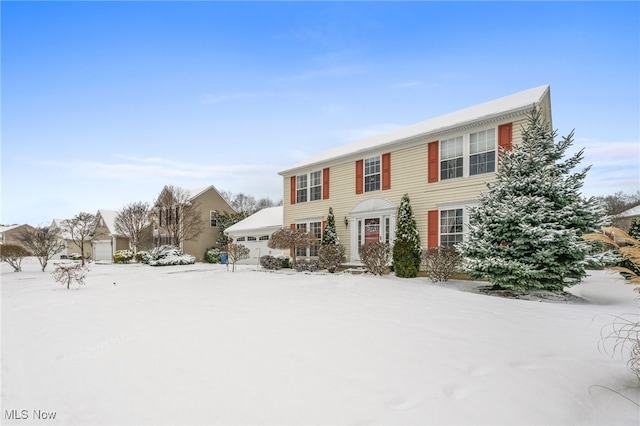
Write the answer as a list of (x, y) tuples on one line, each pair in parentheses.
[(198, 344)]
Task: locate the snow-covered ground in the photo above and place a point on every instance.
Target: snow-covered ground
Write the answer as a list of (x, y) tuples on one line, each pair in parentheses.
[(199, 344)]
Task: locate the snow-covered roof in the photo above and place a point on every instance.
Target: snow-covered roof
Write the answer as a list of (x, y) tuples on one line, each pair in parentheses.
[(59, 225), (633, 211), (516, 102), (193, 193), (8, 228), (270, 217), (109, 217)]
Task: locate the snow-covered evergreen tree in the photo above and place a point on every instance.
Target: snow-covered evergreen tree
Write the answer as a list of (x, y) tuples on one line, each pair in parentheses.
[(407, 251), (526, 232), (330, 236), (634, 229)]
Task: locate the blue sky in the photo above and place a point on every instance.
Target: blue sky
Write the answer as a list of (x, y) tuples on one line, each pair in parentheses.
[(105, 103)]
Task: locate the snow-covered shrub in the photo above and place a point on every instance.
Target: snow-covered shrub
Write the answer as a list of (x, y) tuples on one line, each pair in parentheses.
[(329, 235), (143, 257), (407, 252), (375, 257), (603, 259), (13, 255), (270, 262), (307, 265), (441, 262), (122, 256), (170, 255), (212, 255), (331, 256), (286, 261), (66, 273)]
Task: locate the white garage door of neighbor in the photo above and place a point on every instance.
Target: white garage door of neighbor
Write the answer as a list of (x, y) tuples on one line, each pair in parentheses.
[(102, 250)]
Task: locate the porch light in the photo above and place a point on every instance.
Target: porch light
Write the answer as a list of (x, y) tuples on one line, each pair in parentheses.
[(346, 221)]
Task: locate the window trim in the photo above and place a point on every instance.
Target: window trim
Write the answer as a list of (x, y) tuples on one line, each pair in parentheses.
[(466, 152), (213, 218), (308, 187)]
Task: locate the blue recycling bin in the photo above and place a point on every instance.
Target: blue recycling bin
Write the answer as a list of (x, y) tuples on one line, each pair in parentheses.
[(224, 259)]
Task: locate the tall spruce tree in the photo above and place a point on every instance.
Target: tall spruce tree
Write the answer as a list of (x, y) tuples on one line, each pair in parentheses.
[(407, 251), (526, 232), (330, 236)]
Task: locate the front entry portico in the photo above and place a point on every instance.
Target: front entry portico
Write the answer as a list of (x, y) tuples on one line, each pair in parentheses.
[(372, 220)]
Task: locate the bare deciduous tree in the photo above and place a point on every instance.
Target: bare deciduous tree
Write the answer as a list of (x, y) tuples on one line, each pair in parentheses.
[(291, 238), (131, 221), (80, 228), (178, 215), (619, 202), (13, 255), (237, 252), (42, 242), (65, 274), (248, 204)]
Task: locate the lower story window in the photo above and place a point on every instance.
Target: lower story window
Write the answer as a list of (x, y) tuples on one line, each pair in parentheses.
[(315, 228), (451, 231)]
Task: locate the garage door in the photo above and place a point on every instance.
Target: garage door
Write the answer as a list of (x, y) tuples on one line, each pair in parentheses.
[(102, 250)]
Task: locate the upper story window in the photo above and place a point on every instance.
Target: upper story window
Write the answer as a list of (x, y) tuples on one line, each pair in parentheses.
[(467, 155), (372, 174), (451, 158), (301, 188), (213, 218), (482, 150), (309, 187), (315, 188)]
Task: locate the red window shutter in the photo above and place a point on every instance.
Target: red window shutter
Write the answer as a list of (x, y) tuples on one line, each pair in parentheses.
[(293, 226), (432, 161), (325, 184), (293, 189), (359, 176), (432, 228), (386, 171), (505, 137)]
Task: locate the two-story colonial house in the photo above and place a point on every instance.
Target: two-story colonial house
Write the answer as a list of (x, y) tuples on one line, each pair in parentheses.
[(443, 163), (209, 204)]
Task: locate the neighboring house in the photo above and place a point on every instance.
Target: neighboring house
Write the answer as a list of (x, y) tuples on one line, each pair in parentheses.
[(69, 246), (211, 204), (106, 240), (254, 232), (11, 234), (443, 163), (625, 219)]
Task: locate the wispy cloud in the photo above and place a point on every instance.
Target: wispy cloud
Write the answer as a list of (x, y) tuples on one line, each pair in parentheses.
[(155, 168), (615, 166)]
